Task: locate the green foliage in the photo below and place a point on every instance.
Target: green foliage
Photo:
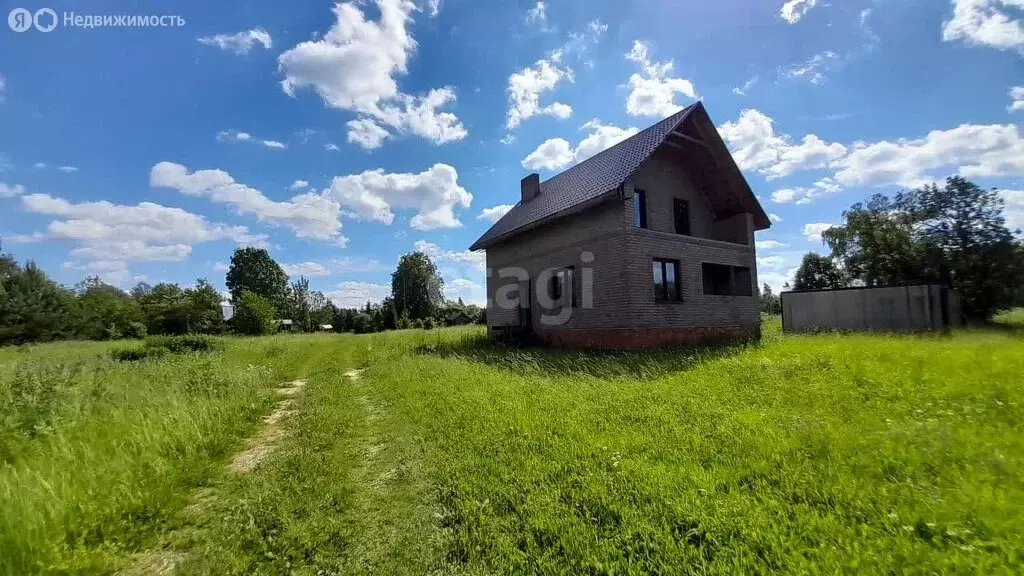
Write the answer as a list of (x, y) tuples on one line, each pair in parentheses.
[(429, 324), (138, 354), (876, 244), (768, 302), (184, 344), (103, 312), (253, 270), (416, 287), (818, 272), (135, 330), (33, 307), (362, 323), (254, 315)]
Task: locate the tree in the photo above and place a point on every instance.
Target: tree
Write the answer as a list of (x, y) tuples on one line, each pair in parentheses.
[(254, 315), (33, 307), (964, 237), (770, 303), (104, 312), (818, 272), (876, 244), (204, 314), (299, 305), (254, 270), (416, 287), (165, 309)]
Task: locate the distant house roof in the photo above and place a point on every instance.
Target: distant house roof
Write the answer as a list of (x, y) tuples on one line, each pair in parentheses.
[(592, 180)]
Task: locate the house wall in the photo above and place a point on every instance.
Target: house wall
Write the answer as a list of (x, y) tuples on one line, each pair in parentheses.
[(624, 313)]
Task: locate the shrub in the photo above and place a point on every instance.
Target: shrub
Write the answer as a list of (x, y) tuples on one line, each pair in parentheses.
[(134, 330), (429, 324), (254, 315), (417, 324), (136, 354), (183, 344)]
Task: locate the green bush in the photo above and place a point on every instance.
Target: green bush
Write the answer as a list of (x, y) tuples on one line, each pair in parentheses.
[(134, 330), (136, 354), (254, 315), (183, 344), (416, 324), (429, 324)]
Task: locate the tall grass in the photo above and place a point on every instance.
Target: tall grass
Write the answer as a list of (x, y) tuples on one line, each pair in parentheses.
[(95, 456)]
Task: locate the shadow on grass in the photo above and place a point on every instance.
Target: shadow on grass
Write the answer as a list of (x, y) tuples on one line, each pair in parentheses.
[(558, 362)]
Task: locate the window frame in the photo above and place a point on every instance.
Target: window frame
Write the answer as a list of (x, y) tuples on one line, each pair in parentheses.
[(733, 288), (640, 208), (561, 284), (686, 228), (663, 295)]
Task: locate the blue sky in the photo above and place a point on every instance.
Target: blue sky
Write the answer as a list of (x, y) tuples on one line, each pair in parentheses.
[(343, 135)]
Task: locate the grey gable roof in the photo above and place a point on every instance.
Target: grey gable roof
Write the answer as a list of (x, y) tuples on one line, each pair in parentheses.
[(585, 182)]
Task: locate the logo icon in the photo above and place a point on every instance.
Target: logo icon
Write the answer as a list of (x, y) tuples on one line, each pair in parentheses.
[(42, 24), (20, 19)]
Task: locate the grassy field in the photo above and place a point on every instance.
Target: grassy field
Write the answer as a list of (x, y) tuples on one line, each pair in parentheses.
[(811, 454)]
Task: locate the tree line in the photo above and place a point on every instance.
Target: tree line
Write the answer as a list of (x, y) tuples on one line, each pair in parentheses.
[(35, 308), (954, 234)]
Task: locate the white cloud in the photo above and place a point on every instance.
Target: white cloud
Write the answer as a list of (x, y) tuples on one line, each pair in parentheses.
[(973, 151), (805, 195), (813, 231), (39, 165), (434, 193), (68, 169), (240, 42), (537, 14), (775, 217), (770, 261), (357, 294), (8, 191), (309, 215), (366, 133), (330, 267), (494, 213), (238, 136), (814, 69), (556, 153), (986, 23), (331, 147), (471, 292), (578, 42), (742, 90), (353, 67), (476, 260), (653, 93), (769, 244), (3, 87), (147, 232), (525, 87), (793, 10), (299, 184), (756, 147), (434, 7), (1017, 99), (1014, 210)]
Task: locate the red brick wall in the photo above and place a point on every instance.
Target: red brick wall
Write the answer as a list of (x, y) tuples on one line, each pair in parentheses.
[(647, 338)]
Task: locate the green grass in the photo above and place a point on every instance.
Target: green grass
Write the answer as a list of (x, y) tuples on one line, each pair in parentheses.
[(821, 454)]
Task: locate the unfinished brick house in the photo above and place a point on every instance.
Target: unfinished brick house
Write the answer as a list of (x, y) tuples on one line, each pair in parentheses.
[(649, 243)]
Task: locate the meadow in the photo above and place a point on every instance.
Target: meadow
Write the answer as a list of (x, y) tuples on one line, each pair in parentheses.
[(444, 454)]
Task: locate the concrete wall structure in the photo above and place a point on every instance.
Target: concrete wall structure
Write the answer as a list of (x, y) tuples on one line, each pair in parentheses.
[(894, 309)]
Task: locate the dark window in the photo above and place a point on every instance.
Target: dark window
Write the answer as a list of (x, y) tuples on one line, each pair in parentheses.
[(563, 284), (681, 211), (722, 280), (640, 208), (666, 280)]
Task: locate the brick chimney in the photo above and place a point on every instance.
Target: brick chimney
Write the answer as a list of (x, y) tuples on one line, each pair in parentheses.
[(530, 187)]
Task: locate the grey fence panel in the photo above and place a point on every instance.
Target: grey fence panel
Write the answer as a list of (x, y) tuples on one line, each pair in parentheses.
[(890, 309)]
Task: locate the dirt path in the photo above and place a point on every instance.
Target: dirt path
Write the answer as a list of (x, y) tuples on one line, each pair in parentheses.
[(258, 448)]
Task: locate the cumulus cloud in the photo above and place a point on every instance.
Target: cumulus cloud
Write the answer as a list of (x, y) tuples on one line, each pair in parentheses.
[(812, 231), (556, 153), (769, 244), (238, 136), (308, 215), (112, 233), (1014, 210), (653, 92), (332, 266), (8, 191), (537, 15), (806, 194), (526, 86), (986, 23), (469, 291), (434, 193), (756, 147), (775, 217), (68, 169), (476, 260), (494, 213), (299, 185), (353, 68), (239, 42), (357, 294), (793, 10), (1016, 99)]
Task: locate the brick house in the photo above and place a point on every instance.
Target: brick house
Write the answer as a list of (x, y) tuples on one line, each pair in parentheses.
[(648, 243)]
